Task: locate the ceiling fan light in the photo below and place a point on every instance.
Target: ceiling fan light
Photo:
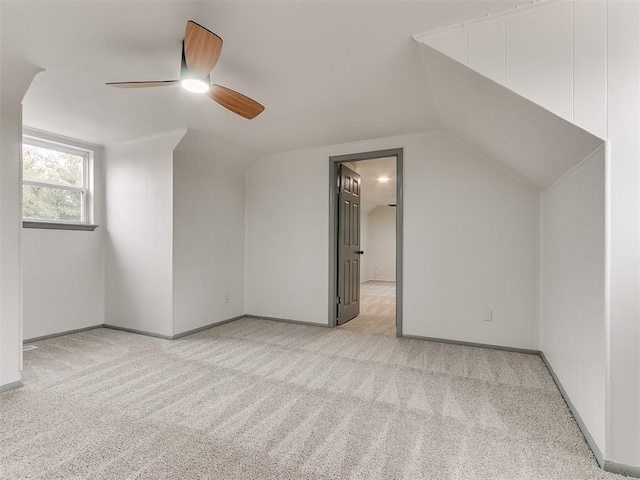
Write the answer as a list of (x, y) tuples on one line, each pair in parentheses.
[(195, 85)]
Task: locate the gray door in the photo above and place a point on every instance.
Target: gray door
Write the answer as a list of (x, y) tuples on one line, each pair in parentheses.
[(348, 245)]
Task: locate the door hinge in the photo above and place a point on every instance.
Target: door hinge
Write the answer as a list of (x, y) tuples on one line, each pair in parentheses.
[(338, 300)]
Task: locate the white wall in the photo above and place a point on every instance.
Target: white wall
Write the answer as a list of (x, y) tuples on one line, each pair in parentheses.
[(470, 243), (63, 280), (564, 44), (572, 279), (63, 270), (175, 232), (208, 231), (287, 236), (364, 246), (623, 116), (139, 240), (10, 311), (382, 244), (469, 232), (589, 52), (15, 79)]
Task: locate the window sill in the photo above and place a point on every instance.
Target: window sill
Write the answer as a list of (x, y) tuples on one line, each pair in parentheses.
[(59, 226)]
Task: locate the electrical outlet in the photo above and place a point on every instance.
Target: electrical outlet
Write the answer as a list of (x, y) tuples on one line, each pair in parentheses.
[(487, 316), (225, 298)]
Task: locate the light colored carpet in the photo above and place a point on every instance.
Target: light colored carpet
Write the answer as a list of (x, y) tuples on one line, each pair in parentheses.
[(256, 399), (377, 309)]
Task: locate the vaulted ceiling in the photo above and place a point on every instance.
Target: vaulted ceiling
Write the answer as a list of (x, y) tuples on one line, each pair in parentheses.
[(327, 72), (534, 144)]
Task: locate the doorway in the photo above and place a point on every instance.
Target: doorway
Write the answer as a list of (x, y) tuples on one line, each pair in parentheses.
[(365, 284)]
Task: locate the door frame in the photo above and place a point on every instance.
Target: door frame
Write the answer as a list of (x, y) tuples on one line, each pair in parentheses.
[(334, 163)]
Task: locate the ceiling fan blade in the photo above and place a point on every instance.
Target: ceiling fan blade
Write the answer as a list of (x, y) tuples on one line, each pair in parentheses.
[(160, 83), (201, 49), (236, 102)]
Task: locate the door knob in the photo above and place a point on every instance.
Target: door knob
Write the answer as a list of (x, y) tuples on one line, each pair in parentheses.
[(359, 252)]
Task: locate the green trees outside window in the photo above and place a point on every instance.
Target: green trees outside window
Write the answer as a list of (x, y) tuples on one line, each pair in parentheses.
[(53, 184)]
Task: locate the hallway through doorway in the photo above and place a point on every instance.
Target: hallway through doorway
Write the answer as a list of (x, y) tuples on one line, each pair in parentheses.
[(377, 309)]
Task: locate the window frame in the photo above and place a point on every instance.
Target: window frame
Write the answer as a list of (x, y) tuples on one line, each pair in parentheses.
[(86, 190)]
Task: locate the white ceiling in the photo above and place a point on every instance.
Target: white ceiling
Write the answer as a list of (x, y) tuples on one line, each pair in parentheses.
[(327, 72), (375, 193), (529, 141)]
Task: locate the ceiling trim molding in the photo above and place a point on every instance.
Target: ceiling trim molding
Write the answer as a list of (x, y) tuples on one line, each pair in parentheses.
[(58, 139), (535, 7)]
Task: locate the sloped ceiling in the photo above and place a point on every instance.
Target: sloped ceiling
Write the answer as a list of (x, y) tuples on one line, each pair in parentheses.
[(327, 72), (536, 145), (204, 145)]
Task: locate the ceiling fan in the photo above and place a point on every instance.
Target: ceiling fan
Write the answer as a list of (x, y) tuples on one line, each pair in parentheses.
[(200, 52)]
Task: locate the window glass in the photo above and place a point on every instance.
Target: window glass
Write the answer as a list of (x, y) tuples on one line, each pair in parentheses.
[(52, 166), (48, 203), (54, 182)]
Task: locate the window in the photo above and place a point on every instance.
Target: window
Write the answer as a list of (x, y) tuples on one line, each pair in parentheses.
[(55, 185)]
